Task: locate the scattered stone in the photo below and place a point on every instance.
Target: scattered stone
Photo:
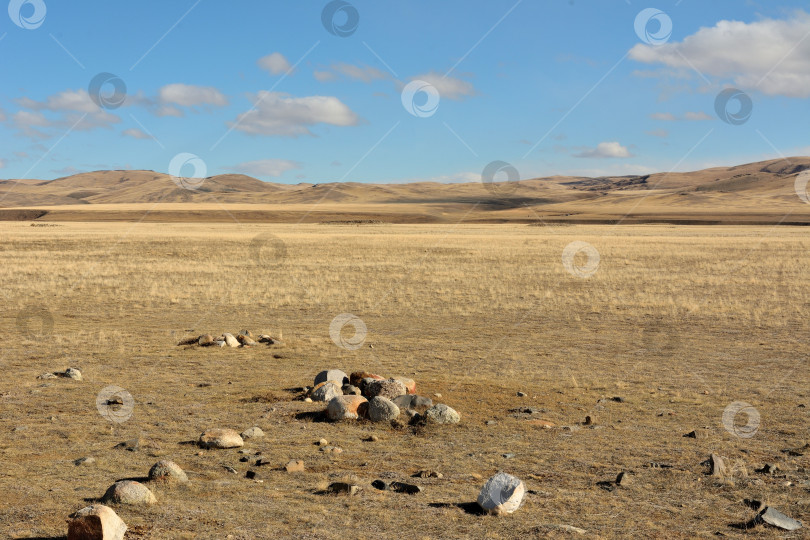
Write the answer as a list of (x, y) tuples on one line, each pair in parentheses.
[(624, 479), (442, 414), (96, 522), (490, 422), (139, 443), (775, 518), (401, 487), (72, 373), (412, 401), (322, 442), (307, 400), (502, 494), (230, 340), (47, 376), (508, 455), (428, 474), (244, 459), (521, 394), (570, 528), (246, 333), (349, 407), (262, 462), (798, 452), (543, 424), (295, 465), (372, 438), (381, 409), (437, 396), (264, 338), (334, 375), (379, 484), (85, 461), (617, 399), (350, 390), (252, 433), (246, 341), (167, 471), (767, 469), (251, 475), (343, 488), (206, 340), (188, 341), (332, 450), (219, 343), (128, 492), (389, 388), (325, 391), (229, 469), (717, 466), (588, 421), (220, 438)]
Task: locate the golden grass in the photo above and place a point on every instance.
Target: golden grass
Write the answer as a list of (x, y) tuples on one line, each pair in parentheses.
[(680, 322)]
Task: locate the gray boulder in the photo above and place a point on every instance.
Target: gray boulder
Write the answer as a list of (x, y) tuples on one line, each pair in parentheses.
[(381, 409)]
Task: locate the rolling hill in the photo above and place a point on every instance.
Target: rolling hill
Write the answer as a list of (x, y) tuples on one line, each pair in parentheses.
[(761, 192)]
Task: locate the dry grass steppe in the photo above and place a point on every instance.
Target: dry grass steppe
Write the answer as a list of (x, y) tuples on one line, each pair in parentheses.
[(680, 322)]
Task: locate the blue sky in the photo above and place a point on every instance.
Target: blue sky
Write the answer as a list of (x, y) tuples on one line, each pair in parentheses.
[(263, 87)]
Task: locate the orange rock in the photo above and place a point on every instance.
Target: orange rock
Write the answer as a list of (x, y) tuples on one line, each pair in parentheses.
[(410, 384), (357, 376), (346, 407)]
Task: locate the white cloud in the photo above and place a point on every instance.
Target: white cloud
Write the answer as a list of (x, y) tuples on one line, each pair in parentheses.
[(605, 150), (768, 55), (187, 95), (69, 100), (661, 133), (275, 113), (696, 116), (324, 76), (2, 164), (448, 87), (272, 168), (689, 116), (167, 110), (35, 123), (354, 72), (275, 63), (135, 134), (360, 73)]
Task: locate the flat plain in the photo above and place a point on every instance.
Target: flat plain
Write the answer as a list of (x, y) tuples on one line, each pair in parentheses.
[(678, 322)]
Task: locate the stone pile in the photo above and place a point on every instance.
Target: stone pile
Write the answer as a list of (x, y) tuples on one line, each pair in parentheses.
[(243, 339), (364, 395)]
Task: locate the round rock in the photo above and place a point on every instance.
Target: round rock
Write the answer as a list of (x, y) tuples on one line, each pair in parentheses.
[(220, 438), (414, 402), (252, 433), (167, 471), (349, 407), (381, 409), (325, 391), (73, 373), (442, 414), (389, 388), (128, 492), (96, 522), (230, 340), (332, 375), (502, 494)]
